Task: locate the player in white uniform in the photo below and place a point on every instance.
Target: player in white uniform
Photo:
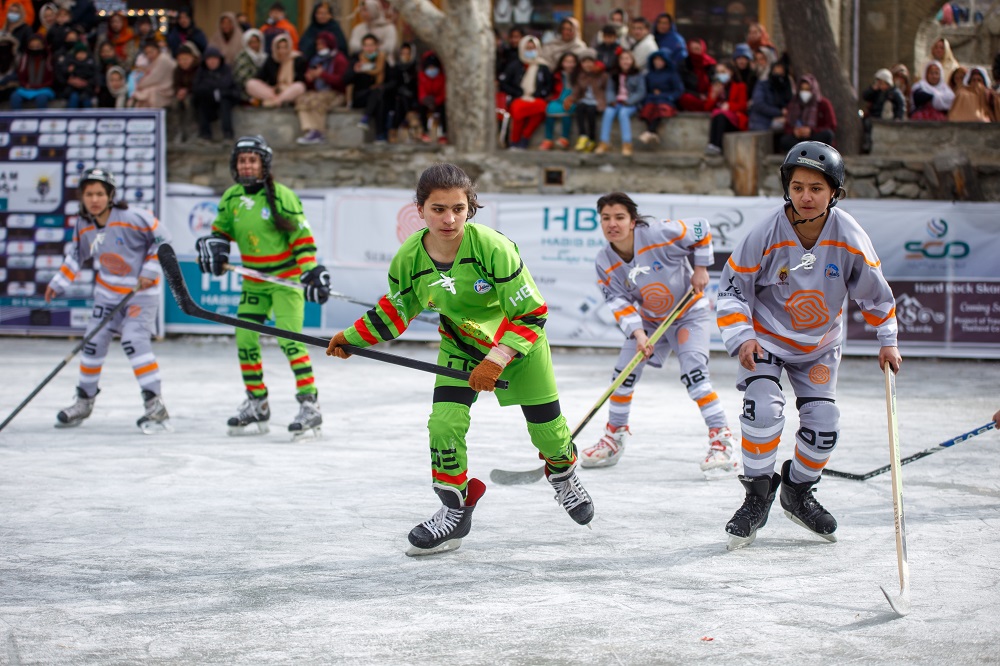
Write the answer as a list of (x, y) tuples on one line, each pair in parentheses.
[(642, 272), (122, 244), (780, 307)]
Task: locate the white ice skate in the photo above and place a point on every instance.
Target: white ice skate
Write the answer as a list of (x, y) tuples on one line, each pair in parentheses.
[(307, 423), (74, 415), (722, 460), (156, 419), (252, 418), (608, 450)]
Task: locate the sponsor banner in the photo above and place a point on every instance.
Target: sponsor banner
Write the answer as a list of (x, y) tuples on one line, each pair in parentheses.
[(41, 159)]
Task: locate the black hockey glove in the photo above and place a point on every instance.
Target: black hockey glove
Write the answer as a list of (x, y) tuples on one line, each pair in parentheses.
[(213, 254), (317, 282)]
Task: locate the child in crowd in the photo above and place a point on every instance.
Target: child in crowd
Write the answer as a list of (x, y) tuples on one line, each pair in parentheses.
[(559, 107), (625, 90), (589, 100), (663, 89)]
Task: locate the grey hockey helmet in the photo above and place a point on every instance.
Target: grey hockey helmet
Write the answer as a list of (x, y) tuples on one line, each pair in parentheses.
[(251, 144), (98, 175)]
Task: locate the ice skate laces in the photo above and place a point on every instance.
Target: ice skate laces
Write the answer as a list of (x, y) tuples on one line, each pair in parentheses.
[(443, 522), (570, 492)]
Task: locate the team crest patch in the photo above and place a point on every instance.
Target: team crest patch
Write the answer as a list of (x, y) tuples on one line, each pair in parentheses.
[(832, 272), (482, 286), (783, 275), (657, 267), (265, 213), (819, 374)]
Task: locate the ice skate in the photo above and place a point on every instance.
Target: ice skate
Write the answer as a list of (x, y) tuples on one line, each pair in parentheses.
[(156, 418), (571, 494), (722, 461), (309, 419), (252, 418), (752, 516), (445, 529), (74, 415), (608, 450), (801, 507)]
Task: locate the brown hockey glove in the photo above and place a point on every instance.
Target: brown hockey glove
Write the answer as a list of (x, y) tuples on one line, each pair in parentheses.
[(336, 347), (485, 375)]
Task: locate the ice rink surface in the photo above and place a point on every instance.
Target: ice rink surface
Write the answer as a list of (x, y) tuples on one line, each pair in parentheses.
[(195, 547)]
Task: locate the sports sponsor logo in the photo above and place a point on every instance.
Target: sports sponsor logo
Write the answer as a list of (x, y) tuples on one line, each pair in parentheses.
[(783, 275), (699, 230), (819, 374), (482, 286), (657, 300), (832, 272), (937, 247), (807, 310)]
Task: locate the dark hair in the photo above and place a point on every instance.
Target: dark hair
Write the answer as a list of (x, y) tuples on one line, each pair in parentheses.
[(609, 30), (619, 11), (280, 221), (520, 28), (447, 177), (616, 69), (620, 198), (576, 70), (121, 204), (279, 6), (643, 20), (370, 36)]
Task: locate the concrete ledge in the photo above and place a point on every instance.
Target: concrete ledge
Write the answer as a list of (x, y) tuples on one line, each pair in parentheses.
[(913, 138), (685, 133)]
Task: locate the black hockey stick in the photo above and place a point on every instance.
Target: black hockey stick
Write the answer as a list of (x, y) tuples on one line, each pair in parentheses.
[(908, 459), (249, 272), (512, 478), (172, 271), (62, 364)]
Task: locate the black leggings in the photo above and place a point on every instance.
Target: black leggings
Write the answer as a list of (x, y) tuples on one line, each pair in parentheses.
[(720, 125), (586, 120)]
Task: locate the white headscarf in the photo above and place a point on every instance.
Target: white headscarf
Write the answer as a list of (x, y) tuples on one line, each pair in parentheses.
[(944, 96), (257, 57)]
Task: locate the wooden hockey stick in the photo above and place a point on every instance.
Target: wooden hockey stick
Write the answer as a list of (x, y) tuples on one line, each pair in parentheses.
[(901, 602), (513, 478), (172, 272), (916, 456), (62, 364), (274, 279)]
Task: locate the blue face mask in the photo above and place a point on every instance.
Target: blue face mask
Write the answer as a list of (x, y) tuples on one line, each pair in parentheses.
[(530, 55), (432, 72), (722, 77)]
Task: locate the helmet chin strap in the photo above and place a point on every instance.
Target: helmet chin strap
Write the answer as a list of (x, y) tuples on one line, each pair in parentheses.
[(805, 220)]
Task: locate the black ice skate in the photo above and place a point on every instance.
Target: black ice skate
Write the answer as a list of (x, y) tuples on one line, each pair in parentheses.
[(74, 415), (571, 494), (156, 418), (752, 516), (252, 418), (801, 507), (309, 419), (445, 529)]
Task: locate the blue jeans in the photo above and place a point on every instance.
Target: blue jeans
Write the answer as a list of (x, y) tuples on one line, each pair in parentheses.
[(41, 96), (78, 100), (624, 115)]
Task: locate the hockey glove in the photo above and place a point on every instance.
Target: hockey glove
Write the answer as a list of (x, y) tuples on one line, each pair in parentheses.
[(213, 254), (485, 375), (317, 282), (336, 347)]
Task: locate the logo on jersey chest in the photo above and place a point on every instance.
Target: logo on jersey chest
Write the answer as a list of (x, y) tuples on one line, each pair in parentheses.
[(832, 272), (783, 275), (482, 286)]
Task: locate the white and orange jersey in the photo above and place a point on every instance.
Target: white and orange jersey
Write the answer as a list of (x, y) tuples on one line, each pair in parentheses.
[(123, 250), (791, 299), (646, 288)]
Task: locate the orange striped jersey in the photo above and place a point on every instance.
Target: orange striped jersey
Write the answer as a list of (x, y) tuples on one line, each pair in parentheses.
[(248, 220), (123, 250), (646, 288), (791, 299), (486, 297)]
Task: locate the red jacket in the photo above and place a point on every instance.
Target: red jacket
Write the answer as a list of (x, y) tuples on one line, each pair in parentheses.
[(427, 86)]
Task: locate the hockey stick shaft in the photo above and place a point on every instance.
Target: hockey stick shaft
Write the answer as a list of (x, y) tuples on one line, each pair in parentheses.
[(910, 458), (62, 364), (901, 602), (274, 279), (172, 271), (506, 477)]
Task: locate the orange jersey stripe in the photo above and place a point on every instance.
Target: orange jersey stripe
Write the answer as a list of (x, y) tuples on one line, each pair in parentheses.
[(117, 290), (760, 449), (852, 250), (622, 399), (670, 242), (90, 371), (731, 319), (742, 269), (809, 463), (711, 397), (142, 370), (875, 321), (612, 268), (804, 348), (70, 275), (129, 226)]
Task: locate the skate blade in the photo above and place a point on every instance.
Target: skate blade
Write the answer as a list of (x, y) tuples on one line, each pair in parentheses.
[(832, 538), (251, 429), (723, 472), (155, 427), (597, 464), (452, 544), (61, 425), (735, 542), (307, 435)]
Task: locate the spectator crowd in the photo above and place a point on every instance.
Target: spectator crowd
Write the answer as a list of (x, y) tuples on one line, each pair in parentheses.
[(576, 92)]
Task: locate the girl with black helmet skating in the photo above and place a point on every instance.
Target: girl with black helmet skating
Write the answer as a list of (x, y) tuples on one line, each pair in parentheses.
[(780, 307), (267, 222), (122, 243)]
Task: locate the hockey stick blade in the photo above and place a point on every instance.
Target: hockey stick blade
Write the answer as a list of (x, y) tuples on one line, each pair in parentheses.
[(512, 478), (900, 602), (172, 272), (911, 458)]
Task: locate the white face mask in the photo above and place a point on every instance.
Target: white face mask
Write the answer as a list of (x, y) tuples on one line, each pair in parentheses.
[(323, 52), (805, 96)]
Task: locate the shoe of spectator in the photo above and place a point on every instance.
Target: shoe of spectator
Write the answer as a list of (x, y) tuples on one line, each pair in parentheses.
[(627, 149), (443, 140), (581, 144), (381, 140), (393, 136), (562, 143), (601, 148), (591, 145), (648, 137), (363, 123), (545, 145), (426, 138), (712, 149), (310, 138)]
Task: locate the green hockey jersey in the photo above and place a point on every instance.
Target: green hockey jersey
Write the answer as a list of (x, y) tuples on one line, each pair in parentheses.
[(485, 298), (247, 219)]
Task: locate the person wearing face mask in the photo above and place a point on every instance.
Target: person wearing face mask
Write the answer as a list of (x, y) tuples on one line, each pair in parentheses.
[(322, 21), (528, 81), (326, 83), (18, 22), (727, 100), (367, 79), (770, 100), (431, 98), (402, 84), (975, 99), (810, 116), (35, 76), (696, 72)]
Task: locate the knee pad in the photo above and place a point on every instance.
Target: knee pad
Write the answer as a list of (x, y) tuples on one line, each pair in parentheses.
[(552, 439), (448, 422), (763, 403), (694, 369), (819, 424)]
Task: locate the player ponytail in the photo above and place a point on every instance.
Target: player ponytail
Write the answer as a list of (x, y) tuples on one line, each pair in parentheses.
[(622, 199), (280, 222)]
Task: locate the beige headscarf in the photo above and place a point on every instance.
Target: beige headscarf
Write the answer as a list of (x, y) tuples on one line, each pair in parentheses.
[(230, 48), (286, 69), (530, 66), (975, 102)]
